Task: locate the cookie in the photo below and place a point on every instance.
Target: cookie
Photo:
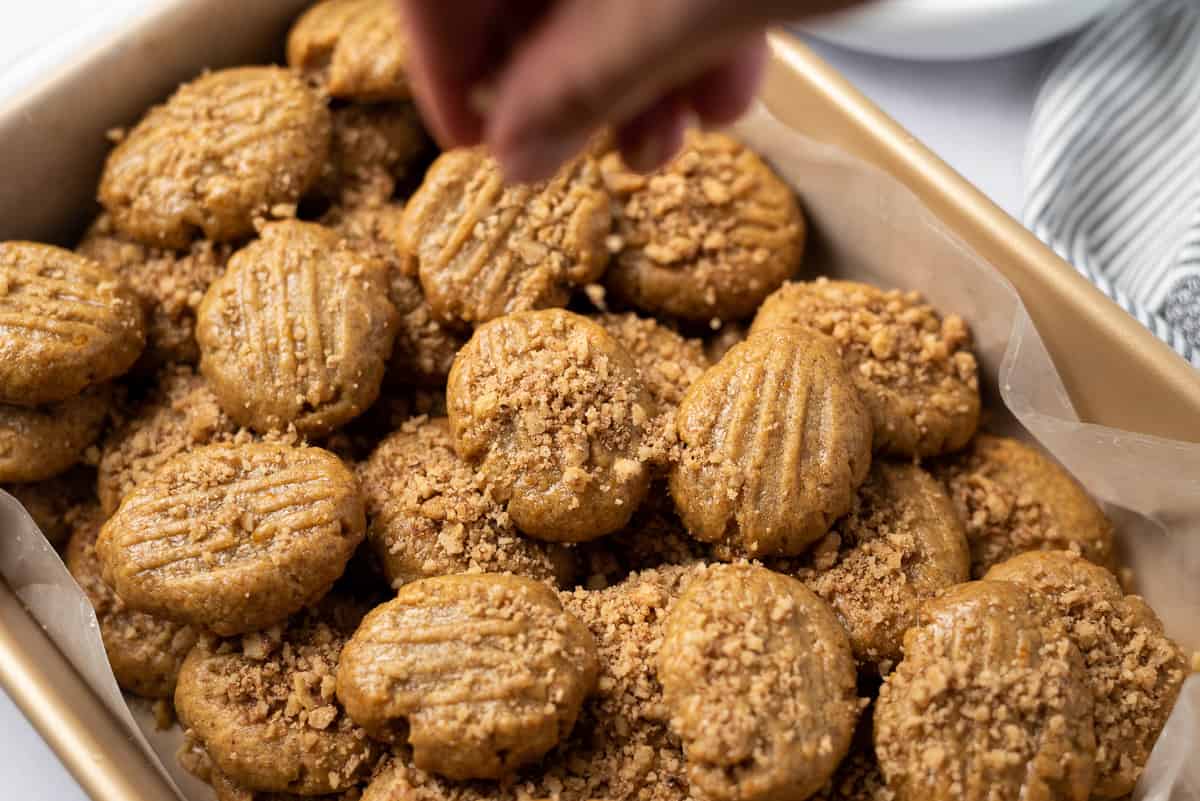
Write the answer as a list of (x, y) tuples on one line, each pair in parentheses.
[(706, 237), (234, 537), (432, 514), (374, 147), (554, 412), (354, 49), (479, 674), (170, 285), (41, 442), (145, 652), (264, 707), (66, 323), (226, 789), (1133, 669), (900, 545), (297, 331), (914, 367), (774, 441), (483, 249), (760, 682), (668, 362), (225, 149), (54, 503), (990, 702), (178, 415), (424, 348), (1013, 499)]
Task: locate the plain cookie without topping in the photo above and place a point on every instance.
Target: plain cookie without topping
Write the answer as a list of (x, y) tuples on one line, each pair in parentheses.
[(478, 674), (178, 415), (66, 323), (41, 442), (265, 709), (760, 682), (669, 363), (915, 369), (224, 150), (1134, 670), (483, 249), (234, 537), (1013, 499), (432, 514), (298, 331), (354, 49), (900, 545), (553, 410), (991, 703), (169, 283), (145, 652), (774, 441), (706, 237)]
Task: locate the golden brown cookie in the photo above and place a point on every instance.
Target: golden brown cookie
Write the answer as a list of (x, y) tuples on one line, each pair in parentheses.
[(915, 368), (479, 674), (355, 49), (56, 502), (169, 283), (145, 652), (265, 709), (1134, 670), (990, 703), (374, 147), (706, 237), (225, 149), (432, 514), (297, 331), (40, 442), (424, 349), (900, 545), (1012, 499), (226, 789), (554, 412), (760, 682), (774, 441), (234, 537), (66, 323), (178, 415), (668, 362), (483, 249)]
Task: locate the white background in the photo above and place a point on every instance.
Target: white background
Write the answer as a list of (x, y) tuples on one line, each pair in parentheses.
[(974, 115)]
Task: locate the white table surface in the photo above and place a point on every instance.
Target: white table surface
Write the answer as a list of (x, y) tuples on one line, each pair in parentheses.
[(975, 115)]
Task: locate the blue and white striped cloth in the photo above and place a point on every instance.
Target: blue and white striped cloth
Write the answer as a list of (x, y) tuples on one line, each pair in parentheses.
[(1113, 164)]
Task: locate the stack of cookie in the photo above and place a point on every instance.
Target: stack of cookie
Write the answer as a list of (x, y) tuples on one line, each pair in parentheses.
[(424, 487)]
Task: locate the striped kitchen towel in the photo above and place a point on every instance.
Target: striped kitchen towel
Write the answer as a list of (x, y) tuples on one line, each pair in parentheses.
[(1113, 164)]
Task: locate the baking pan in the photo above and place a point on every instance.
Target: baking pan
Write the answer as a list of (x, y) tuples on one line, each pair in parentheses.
[(1116, 373)]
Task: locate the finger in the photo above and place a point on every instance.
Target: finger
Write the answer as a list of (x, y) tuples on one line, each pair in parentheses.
[(722, 94), (650, 139)]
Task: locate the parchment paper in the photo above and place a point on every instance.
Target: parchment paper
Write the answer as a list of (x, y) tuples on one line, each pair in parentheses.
[(868, 227)]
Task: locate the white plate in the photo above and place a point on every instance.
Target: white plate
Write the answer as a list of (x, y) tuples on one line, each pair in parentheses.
[(955, 29)]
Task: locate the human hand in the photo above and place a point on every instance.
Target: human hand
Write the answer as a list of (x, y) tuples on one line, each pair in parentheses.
[(534, 79)]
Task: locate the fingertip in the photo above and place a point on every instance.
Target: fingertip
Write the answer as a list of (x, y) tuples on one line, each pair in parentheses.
[(722, 94), (536, 158), (653, 137)]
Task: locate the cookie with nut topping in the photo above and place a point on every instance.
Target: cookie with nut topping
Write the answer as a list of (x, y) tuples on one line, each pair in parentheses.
[(914, 367), (483, 249), (759, 679), (1133, 669), (554, 412), (354, 49), (264, 705), (478, 674), (234, 538), (373, 148), (66, 323), (298, 331), (774, 440), (226, 149), (669, 362), (706, 237)]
